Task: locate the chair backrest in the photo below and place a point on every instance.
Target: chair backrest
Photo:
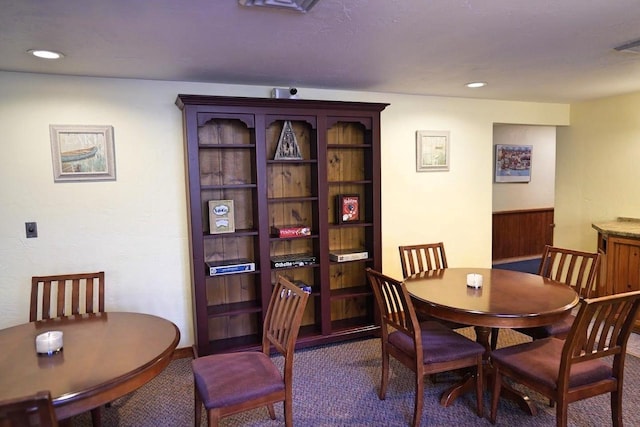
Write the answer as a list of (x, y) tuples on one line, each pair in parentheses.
[(574, 268), (417, 258), (395, 306), (66, 295), (32, 410), (283, 318), (601, 329)]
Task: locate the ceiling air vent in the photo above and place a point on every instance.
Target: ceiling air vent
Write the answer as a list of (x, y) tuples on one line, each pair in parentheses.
[(629, 47), (299, 5)]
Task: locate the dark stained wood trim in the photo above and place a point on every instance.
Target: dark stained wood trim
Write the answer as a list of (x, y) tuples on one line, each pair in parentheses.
[(521, 233)]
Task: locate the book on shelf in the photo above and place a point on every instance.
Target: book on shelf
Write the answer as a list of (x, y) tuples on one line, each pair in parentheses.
[(291, 231), (348, 255), (302, 285), (221, 216), (231, 266), (293, 260), (347, 208)]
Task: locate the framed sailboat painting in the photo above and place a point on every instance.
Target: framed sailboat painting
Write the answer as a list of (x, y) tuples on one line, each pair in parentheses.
[(82, 153)]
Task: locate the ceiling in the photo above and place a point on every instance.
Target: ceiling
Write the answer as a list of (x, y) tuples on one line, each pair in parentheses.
[(528, 50)]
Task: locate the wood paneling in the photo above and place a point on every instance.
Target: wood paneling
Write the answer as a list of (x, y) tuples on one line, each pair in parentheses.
[(521, 233)]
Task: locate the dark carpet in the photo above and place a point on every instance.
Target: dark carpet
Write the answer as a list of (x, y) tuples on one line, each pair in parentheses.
[(526, 266), (337, 385)]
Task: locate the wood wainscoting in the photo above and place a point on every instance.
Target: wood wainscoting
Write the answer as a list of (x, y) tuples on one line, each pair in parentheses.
[(521, 233)]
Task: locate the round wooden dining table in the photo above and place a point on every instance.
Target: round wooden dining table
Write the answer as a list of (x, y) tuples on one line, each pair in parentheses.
[(104, 356), (506, 299)]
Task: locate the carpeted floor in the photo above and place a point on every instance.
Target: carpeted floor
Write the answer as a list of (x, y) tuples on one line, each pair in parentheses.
[(337, 385)]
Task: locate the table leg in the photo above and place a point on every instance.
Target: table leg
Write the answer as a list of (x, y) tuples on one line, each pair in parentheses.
[(468, 383)]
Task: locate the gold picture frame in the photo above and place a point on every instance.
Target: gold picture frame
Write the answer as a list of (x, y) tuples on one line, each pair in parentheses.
[(82, 153)]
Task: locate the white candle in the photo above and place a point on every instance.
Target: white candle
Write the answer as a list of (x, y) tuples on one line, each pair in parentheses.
[(474, 280), (49, 342)]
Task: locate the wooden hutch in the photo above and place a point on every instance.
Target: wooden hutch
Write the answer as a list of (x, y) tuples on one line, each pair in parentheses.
[(333, 149)]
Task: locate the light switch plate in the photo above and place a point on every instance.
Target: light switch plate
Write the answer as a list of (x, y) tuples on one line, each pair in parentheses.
[(32, 229)]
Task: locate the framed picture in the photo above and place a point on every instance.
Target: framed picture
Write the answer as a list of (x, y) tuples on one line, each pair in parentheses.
[(432, 150), (513, 163), (347, 208), (221, 216), (82, 153)]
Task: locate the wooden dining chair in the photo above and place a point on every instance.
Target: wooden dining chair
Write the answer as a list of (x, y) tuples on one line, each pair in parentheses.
[(230, 383), (66, 295), (33, 410), (429, 257), (589, 362), (426, 348), (424, 257), (574, 268)]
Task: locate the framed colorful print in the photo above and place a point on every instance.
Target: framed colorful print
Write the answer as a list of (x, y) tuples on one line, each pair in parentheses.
[(347, 208), (513, 163)]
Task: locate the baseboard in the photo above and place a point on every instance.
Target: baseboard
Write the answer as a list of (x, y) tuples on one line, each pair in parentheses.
[(181, 353)]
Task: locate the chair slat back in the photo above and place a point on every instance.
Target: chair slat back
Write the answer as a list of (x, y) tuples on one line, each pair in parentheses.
[(601, 328), (66, 295), (574, 268), (425, 257), (32, 410), (395, 306), (284, 317)]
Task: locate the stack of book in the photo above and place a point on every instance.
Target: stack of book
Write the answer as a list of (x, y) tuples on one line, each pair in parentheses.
[(348, 255), (231, 266), (292, 260), (291, 231)]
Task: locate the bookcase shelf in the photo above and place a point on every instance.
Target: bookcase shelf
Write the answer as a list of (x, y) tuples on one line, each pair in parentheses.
[(231, 144)]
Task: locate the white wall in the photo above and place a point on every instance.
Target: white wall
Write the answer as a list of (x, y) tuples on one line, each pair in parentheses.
[(540, 191), (598, 171), (135, 227)]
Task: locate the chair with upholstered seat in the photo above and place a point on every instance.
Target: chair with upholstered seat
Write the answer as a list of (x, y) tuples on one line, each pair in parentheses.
[(230, 383), (428, 257), (426, 348), (425, 257), (589, 362), (32, 410), (577, 269), (66, 295)]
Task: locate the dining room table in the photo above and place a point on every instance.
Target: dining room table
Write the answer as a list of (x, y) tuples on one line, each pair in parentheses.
[(104, 356), (492, 298)]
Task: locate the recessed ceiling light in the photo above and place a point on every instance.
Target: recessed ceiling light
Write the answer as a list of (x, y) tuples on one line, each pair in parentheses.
[(46, 54), (476, 84)]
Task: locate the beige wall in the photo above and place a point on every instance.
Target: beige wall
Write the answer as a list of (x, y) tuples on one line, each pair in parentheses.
[(598, 174), (135, 228), (539, 192)]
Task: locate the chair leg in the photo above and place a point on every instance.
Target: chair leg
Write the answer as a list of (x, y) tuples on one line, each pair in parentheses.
[(561, 413), (419, 400), (96, 416), (480, 388), (272, 411), (214, 419), (494, 338), (497, 385), (616, 407), (197, 405), (288, 411), (385, 375)]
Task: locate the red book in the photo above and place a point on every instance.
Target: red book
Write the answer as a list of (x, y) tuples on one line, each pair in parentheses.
[(291, 231), (348, 208)]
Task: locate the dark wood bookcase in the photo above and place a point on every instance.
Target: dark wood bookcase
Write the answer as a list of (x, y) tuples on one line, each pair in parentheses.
[(230, 147)]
